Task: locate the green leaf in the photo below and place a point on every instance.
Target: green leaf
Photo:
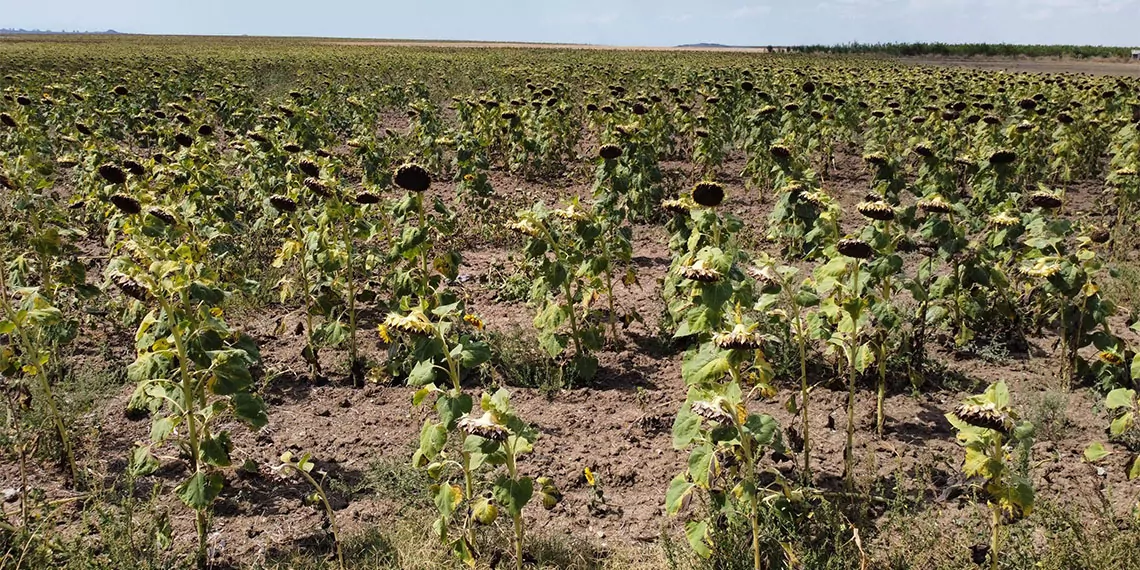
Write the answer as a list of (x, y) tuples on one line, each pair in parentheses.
[(161, 428), (707, 365), (473, 354), (513, 494), (433, 437), (423, 373), (200, 490), (231, 372), (1134, 471), (447, 498), (250, 408), (215, 451), (142, 462), (1122, 424), (763, 428), (1096, 452), (686, 429), (679, 489), (1120, 398), (451, 407), (701, 464), (698, 534)]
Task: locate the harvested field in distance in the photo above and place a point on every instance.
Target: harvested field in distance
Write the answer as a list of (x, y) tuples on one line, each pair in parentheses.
[(274, 303)]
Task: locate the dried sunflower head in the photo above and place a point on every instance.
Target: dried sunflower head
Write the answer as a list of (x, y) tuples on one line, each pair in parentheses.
[(1003, 157), (1005, 220), (184, 140), (134, 167), (412, 177), (877, 210), (876, 159), (740, 338), (162, 215), (367, 198), (112, 174), (855, 248), (1046, 200), (610, 151), (414, 323), (780, 152), (309, 167), (985, 416), (130, 287), (317, 187), (7, 120), (125, 204), (700, 272), (1099, 236), (923, 150), (484, 427), (713, 411), (708, 194), (283, 203), (935, 204)]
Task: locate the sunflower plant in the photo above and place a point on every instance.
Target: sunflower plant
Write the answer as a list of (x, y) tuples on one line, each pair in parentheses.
[(989, 430), (193, 371)]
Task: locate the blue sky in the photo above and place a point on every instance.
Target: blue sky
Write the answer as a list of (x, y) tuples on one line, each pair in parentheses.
[(612, 22)]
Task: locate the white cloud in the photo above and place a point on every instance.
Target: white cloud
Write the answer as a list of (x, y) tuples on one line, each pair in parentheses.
[(750, 11)]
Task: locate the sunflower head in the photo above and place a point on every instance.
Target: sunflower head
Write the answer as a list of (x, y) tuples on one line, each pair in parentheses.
[(877, 210), (610, 151), (283, 203), (855, 248), (1005, 220), (309, 167), (1099, 236), (1003, 157), (125, 204), (985, 416), (1046, 200), (112, 174), (708, 194), (700, 272), (367, 198), (484, 426), (413, 178), (130, 287), (780, 152), (741, 337), (935, 204), (162, 215), (317, 187), (713, 411), (414, 323)]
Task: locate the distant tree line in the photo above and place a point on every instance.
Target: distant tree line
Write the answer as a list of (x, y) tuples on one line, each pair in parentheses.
[(23, 31), (966, 50)]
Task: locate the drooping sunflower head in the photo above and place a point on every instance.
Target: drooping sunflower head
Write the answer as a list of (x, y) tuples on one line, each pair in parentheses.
[(162, 215), (573, 213), (700, 272), (1003, 157), (742, 337), (1005, 219), (112, 174), (414, 323), (1099, 236), (610, 151), (367, 197), (1043, 267), (985, 416), (317, 187), (855, 248), (877, 210), (1110, 357), (125, 204), (130, 287), (527, 227), (413, 178), (283, 203), (934, 204), (1046, 200), (484, 426), (780, 152), (708, 194), (713, 411), (309, 167)]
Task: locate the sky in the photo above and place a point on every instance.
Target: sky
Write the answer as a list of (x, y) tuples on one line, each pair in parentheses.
[(606, 22)]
